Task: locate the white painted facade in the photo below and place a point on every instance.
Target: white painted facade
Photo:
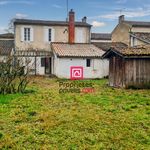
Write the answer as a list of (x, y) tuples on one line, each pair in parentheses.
[(34, 66), (99, 67)]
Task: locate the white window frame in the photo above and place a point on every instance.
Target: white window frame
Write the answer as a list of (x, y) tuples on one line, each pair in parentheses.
[(23, 34), (46, 34)]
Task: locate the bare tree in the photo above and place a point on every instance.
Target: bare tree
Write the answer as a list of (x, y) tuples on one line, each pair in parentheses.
[(10, 28), (13, 76)]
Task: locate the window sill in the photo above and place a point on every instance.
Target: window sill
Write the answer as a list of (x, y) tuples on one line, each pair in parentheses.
[(27, 41)]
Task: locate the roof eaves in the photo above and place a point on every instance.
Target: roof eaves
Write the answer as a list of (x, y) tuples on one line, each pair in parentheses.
[(114, 51), (138, 56), (67, 56), (43, 22)]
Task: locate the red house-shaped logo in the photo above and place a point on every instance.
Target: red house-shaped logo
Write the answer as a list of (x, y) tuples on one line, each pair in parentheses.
[(76, 73)]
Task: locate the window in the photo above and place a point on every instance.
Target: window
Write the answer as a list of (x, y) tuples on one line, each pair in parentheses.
[(27, 34), (42, 62), (88, 62), (49, 35)]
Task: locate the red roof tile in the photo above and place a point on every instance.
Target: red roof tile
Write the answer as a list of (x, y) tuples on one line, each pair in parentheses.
[(76, 50)]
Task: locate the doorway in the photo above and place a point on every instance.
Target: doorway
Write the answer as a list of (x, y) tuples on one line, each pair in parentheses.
[(48, 65)]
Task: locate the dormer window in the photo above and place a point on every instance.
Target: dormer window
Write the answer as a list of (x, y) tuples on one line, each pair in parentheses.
[(133, 41)]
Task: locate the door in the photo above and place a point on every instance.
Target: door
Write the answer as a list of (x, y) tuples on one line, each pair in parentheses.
[(48, 65)]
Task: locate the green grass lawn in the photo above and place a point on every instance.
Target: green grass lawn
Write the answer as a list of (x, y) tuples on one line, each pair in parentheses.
[(113, 119)]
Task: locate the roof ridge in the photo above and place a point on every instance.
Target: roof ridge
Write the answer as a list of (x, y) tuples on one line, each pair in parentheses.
[(53, 22)]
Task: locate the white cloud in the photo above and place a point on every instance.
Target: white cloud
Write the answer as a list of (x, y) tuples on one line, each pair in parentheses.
[(129, 13), (140, 12), (121, 1), (6, 2), (56, 6), (21, 16), (98, 24), (2, 30)]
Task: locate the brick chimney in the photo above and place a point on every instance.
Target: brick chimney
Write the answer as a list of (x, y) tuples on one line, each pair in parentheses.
[(121, 18), (71, 26)]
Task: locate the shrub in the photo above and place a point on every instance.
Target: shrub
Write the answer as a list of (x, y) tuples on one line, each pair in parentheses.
[(13, 75)]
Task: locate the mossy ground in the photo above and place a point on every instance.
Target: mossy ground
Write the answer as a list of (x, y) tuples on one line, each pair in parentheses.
[(116, 119)]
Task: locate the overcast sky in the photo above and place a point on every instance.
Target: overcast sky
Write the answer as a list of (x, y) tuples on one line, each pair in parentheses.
[(102, 14)]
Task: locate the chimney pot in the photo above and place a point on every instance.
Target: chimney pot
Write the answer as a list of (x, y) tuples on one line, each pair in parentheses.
[(84, 19), (121, 18)]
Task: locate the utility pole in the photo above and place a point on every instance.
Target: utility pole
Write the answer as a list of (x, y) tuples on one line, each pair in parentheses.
[(67, 7)]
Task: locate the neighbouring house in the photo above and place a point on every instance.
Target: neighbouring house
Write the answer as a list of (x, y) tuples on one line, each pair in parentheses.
[(35, 39), (6, 48), (100, 37), (132, 33), (129, 67), (101, 40), (79, 54), (7, 36)]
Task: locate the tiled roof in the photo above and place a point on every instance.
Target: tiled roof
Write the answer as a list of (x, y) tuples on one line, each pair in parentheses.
[(7, 35), (45, 22), (76, 50), (138, 23), (100, 36), (137, 51), (106, 45), (6, 47), (142, 36)]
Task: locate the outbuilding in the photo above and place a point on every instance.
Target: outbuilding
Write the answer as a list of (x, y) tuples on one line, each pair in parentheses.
[(79, 55), (129, 67)]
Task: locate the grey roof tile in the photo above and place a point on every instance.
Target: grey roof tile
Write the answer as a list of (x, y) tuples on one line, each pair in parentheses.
[(46, 22), (100, 36)]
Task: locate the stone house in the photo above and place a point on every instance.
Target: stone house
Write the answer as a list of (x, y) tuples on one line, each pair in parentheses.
[(36, 39), (132, 33)]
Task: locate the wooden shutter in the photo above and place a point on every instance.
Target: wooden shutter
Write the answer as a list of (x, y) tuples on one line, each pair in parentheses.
[(79, 36), (45, 34), (22, 34), (31, 34)]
